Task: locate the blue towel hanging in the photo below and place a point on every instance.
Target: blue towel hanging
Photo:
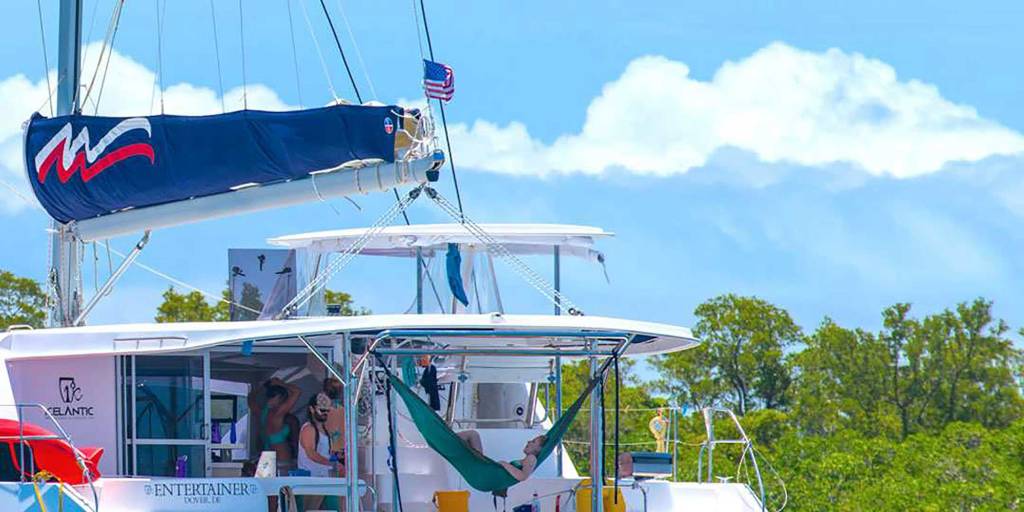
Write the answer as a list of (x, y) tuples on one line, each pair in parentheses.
[(453, 264)]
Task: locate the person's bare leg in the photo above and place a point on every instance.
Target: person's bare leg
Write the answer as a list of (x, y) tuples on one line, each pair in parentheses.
[(472, 438)]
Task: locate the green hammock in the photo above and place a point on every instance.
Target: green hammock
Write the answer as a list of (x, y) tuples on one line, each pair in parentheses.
[(479, 471)]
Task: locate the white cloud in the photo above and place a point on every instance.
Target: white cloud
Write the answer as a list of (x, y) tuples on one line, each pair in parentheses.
[(781, 103), (129, 89)]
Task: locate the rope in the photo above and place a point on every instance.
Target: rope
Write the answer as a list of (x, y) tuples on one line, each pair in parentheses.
[(359, 54), (346, 256), (785, 491), (344, 60), (23, 197), (216, 52), (46, 61), (316, 190), (416, 18), (116, 23), (498, 250), (105, 49), (172, 280), (44, 476), (241, 36), (295, 54), (319, 52), (444, 120), (160, 50)]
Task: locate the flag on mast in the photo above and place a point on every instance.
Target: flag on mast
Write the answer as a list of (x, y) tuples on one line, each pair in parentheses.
[(438, 80)]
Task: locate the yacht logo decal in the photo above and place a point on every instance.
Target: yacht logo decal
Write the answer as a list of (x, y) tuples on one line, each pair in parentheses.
[(69, 391), (78, 155), (389, 126), (71, 395)]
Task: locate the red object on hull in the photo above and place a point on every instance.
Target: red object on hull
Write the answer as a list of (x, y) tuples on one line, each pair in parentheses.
[(53, 455)]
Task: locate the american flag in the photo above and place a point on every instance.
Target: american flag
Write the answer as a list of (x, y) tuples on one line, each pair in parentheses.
[(438, 80)]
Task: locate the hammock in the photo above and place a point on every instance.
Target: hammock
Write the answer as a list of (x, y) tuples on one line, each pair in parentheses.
[(479, 471)]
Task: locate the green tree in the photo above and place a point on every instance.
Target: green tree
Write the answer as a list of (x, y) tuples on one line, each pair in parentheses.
[(956, 365), (193, 306), (22, 301), (637, 407), (188, 307), (744, 359), (344, 300), (840, 375)]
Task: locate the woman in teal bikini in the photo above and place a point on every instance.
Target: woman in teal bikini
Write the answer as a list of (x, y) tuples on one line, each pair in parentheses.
[(274, 429)]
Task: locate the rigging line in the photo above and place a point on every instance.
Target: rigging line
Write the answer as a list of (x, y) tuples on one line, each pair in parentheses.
[(107, 43), (46, 61), (295, 54), (416, 18), (46, 65), (23, 197), (359, 54), (344, 60), (106, 67), (92, 21), (444, 120), (241, 36), (160, 49), (174, 280), (88, 37), (319, 52), (216, 52)]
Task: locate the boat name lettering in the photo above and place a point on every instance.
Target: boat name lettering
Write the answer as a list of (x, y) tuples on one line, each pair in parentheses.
[(195, 493)]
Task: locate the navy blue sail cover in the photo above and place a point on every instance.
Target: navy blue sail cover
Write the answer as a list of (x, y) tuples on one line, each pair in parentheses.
[(82, 167)]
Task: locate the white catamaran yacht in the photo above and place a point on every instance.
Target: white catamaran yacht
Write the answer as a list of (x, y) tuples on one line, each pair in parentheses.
[(167, 402), (177, 417)]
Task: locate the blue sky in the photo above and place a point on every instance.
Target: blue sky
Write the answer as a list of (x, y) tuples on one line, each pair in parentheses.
[(832, 157)]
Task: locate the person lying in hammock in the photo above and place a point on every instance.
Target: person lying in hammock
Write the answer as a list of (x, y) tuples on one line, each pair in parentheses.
[(527, 463)]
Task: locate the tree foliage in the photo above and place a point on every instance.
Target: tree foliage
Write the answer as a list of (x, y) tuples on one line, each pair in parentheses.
[(344, 301), (193, 306), (189, 307), (22, 301), (742, 360)]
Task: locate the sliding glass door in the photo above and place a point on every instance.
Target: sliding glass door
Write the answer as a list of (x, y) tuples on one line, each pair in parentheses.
[(168, 409)]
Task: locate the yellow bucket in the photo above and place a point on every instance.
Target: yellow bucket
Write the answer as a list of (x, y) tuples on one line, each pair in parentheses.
[(584, 491), (451, 501)]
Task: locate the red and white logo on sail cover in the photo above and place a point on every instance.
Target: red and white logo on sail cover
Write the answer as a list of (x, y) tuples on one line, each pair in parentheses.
[(389, 126), (78, 155)]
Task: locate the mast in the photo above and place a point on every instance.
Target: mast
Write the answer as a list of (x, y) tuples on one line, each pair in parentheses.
[(64, 273)]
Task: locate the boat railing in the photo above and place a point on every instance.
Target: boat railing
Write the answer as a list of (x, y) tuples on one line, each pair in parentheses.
[(707, 448), (60, 435)]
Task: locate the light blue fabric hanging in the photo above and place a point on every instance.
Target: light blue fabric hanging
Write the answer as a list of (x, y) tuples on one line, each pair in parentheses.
[(453, 264)]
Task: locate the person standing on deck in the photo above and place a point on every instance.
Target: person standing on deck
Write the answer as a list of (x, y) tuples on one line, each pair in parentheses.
[(273, 428), (314, 449)]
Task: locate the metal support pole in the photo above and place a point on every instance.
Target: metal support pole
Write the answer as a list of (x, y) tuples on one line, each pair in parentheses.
[(674, 422), (419, 281), (558, 405), (112, 280), (558, 281), (64, 265), (395, 496), (531, 405), (453, 393), (709, 426), (351, 427), (596, 440)]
